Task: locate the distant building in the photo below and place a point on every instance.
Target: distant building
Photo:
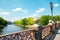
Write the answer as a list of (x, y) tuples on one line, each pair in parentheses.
[(36, 21)]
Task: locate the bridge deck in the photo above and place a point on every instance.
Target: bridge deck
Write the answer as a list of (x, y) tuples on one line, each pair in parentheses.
[(57, 37)]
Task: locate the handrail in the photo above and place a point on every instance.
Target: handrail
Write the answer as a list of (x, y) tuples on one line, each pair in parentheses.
[(30, 33), (16, 32)]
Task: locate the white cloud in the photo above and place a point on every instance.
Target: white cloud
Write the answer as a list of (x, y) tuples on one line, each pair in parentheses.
[(14, 19), (25, 11), (56, 5), (4, 13), (11, 19), (40, 10), (17, 9), (20, 10), (37, 12), (34, 15)]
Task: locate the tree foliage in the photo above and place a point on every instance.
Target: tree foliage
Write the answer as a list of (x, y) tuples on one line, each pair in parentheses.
[(30, 21), (25, 21), (3, 22), (56, 18), (44, 20)]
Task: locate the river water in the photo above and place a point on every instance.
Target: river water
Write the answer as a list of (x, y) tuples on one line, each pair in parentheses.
[(10, 29)]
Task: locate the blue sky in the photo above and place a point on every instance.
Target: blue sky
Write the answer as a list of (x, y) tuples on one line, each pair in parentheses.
[(13, 10)]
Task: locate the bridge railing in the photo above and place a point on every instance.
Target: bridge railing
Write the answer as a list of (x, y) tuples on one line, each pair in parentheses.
[(31, 34), (46, 30), (23, 35)]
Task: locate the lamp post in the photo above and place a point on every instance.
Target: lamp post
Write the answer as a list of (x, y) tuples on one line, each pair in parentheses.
[(51, 6), (51, 21)]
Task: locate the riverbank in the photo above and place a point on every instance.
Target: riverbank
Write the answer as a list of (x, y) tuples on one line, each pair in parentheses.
[(28, 27), (1, 27)]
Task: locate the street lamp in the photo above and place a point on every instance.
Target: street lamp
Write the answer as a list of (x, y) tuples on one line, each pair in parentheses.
[(51, 6), (51, 21)]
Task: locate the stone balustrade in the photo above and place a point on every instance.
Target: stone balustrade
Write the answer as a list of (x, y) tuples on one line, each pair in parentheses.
[(24, 35), (31, 34)]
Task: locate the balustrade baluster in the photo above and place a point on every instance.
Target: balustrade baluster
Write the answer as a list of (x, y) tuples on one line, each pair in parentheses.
[(3, 38), (29, 34)]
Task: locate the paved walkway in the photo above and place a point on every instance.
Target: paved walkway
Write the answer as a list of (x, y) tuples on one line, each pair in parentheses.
[(57, 37)]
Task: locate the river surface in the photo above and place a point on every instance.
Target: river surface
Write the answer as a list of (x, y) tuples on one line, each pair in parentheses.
[(10, 29)]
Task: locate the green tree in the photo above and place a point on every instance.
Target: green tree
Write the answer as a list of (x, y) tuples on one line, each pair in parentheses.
[(3, 22), (24, 22), (30, 21), (44, 20), (56, 18), (21, 23), (16, 22)]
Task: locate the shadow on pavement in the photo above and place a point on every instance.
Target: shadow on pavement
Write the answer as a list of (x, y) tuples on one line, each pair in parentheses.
[(52, 36)]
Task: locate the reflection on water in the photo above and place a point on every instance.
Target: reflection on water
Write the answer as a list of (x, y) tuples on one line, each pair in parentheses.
[(10, 29)]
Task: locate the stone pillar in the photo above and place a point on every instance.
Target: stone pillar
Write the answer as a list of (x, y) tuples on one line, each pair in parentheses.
[(38, 34), (51, 22)]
